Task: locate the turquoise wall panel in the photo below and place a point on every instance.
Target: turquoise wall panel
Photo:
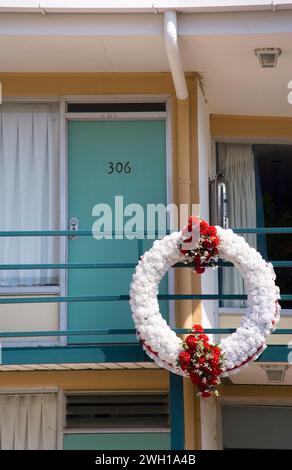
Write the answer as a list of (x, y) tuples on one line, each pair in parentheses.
[(116, 441)]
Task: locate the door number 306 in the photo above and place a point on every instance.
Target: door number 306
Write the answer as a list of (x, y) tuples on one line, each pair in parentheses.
[(119, 167)]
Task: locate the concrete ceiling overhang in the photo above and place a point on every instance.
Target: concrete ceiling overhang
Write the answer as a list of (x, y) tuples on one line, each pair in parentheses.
[(219, 46)]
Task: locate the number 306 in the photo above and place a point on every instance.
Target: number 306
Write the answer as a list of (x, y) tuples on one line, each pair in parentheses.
[(119, 167)]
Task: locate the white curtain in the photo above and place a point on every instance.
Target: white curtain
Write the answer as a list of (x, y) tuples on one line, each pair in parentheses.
[(29, 189), (237, 166), (28, 421)]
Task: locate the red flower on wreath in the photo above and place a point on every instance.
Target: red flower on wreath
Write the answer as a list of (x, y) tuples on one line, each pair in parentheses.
[(198, 329), (192, 342), (202, 253), (184, 359), (195, 378), (202, 361)]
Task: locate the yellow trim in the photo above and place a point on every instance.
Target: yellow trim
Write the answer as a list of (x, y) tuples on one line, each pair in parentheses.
[(250, 126), (56, 84), (255, 391), (88, 380)]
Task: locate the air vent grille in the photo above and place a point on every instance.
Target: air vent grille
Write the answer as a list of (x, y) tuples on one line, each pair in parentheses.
[(117, 410)]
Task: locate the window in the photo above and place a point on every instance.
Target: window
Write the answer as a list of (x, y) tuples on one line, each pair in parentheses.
[(109, 420), (274, 207), (29, 190), (252, 427), (28, 421), (260, 194), (122, 107)]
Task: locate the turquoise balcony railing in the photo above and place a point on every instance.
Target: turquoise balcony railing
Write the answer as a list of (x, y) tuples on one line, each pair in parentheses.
[(110, 352), (115, 352), (128, 352)]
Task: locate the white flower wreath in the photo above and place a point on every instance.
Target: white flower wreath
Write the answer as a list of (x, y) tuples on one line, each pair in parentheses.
[(163, 345)]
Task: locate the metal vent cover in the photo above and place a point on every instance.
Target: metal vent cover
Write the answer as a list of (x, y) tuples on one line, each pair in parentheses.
[(275, 373), (117, 410)]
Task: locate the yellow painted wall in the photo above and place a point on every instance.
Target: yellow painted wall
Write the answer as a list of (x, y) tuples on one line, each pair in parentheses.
[(250, 127), (58, 84), (29, 317), (256, 391), (88, 380)]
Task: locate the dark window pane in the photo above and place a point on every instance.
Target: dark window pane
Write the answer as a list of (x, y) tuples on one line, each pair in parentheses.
[(274, 168), (115, 107)]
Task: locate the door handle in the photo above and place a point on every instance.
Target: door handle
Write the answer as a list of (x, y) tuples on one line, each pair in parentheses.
[(74, 224)]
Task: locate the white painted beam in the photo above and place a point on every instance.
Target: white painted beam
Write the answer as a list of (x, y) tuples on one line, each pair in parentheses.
[(142, 6), (206, 24), (20, 24), (245, 23)]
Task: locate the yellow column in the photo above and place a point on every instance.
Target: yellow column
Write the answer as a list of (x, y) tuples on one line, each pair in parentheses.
[(187, 311)]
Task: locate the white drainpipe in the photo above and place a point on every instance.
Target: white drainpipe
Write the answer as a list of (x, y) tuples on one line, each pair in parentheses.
[(173, 54)]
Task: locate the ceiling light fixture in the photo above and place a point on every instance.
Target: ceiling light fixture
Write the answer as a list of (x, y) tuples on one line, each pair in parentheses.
[(268, 56)]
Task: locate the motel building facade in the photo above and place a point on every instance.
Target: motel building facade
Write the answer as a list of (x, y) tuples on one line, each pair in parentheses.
[(160, 102)]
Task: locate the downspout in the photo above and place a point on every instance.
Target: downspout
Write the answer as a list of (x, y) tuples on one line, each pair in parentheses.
[(183, 281), (173, 55)]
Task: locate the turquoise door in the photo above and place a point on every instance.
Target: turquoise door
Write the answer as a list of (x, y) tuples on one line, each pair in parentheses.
[(108, 159)]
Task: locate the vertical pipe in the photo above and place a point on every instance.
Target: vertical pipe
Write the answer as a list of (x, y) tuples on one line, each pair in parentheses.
[(173, 54)]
